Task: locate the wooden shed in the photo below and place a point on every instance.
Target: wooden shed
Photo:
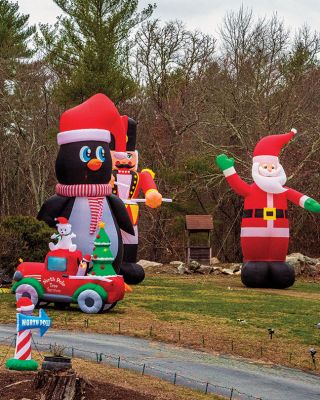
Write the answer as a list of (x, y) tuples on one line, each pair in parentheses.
[(198, 234)]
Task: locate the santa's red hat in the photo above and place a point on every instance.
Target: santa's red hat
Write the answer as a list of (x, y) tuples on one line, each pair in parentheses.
[(24, 304), (94, 119), (268, 148), (61, 220)]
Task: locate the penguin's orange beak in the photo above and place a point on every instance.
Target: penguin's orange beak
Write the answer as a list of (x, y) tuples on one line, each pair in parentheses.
[(94, 164)]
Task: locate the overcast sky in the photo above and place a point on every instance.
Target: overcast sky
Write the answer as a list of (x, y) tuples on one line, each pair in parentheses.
[(205, 15)]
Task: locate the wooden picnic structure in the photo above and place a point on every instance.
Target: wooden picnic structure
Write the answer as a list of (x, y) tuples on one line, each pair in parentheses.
[(198, 247)]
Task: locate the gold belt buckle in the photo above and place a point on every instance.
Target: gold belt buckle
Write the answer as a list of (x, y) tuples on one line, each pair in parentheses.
[(269, 214)]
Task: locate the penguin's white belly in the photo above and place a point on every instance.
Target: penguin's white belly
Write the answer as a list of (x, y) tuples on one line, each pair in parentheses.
[(80, 219)]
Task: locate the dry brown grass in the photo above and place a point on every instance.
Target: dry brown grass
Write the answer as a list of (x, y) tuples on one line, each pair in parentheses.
[(148, 385), (123, 378)]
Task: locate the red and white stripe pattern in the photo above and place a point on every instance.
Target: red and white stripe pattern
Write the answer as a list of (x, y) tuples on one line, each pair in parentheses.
[(84, 190), (96, 207), (23, 345), (95, 194)]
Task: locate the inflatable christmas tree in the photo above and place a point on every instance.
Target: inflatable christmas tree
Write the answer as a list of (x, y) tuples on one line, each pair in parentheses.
[(102, 257)]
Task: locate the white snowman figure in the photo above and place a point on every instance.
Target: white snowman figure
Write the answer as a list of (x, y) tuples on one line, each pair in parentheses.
[(64, 236)]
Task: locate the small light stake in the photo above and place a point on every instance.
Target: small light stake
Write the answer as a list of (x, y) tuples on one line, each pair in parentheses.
[(313, 353), (271, 332)]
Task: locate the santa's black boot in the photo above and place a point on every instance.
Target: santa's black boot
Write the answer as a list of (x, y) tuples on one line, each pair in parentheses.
[(282, 275), (132, 272), (255, 274)]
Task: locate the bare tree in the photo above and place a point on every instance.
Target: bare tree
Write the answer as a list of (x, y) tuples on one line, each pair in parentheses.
[(28, 116)]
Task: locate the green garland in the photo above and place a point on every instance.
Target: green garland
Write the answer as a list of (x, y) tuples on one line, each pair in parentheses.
[(21, 365)]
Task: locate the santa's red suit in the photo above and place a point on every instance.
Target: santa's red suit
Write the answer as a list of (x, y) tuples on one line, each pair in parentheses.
[(265, 224)]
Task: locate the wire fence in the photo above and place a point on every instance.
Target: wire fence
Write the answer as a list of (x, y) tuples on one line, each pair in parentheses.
[(144, 369), (268, 348), (12, 340)]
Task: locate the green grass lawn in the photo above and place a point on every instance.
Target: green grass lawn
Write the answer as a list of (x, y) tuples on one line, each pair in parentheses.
[(292, 313), (203, 311)]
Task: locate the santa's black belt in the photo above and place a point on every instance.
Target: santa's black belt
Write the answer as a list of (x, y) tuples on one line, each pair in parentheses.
[(267, 213)]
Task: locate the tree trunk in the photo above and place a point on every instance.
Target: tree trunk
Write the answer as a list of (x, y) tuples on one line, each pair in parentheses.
[(59, 385)]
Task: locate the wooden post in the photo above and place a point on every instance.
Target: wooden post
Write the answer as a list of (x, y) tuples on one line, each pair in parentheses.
[(57, 385), (175, 378)]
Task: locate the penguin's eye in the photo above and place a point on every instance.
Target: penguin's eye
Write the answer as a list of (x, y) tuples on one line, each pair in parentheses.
[(129, 156), (100, 153), (85, 153)]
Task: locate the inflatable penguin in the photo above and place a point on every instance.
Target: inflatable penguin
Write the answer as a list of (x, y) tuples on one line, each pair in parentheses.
[(83, 169)]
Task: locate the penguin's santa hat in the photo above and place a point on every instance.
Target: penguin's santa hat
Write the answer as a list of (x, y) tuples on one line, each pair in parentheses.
[(94, 119), (268, 148), (24, 304)]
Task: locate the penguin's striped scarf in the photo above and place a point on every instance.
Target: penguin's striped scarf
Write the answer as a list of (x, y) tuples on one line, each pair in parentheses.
[(95, 194)]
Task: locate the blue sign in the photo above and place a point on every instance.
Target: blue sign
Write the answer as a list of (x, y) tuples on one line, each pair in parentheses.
[(43, 322)]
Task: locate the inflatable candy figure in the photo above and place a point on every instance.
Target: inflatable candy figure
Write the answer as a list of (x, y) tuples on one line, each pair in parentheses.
[(22, 360), (83, 169), (130, 183), (64, 237), (265, 223)]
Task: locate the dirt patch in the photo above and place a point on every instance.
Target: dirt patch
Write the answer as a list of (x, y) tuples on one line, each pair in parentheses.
[(281, 292), (19, 385)]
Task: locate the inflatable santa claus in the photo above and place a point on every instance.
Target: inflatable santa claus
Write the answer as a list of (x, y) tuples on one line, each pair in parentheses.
[(128, 185), (265, 223)]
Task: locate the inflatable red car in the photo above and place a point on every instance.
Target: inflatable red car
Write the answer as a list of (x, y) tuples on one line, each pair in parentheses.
[(57, 280)]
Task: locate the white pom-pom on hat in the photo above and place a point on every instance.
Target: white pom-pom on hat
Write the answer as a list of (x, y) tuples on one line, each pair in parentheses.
[(294, 130)]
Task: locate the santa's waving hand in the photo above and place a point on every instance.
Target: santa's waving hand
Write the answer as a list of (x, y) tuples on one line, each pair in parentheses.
[(265, 224)]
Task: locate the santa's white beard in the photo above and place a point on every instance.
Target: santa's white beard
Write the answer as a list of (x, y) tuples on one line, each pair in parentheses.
[(272, 182)]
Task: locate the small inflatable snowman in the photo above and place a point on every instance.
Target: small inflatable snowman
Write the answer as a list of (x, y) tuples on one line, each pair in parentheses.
[(64, 236)]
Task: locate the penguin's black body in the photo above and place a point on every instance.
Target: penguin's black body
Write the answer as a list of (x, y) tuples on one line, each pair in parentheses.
[(87, 163)]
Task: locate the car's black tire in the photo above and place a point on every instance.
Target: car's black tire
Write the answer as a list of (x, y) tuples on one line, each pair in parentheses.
[(90, 302)]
